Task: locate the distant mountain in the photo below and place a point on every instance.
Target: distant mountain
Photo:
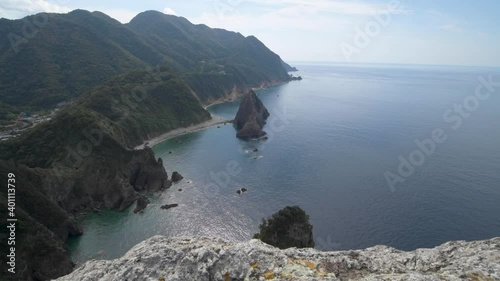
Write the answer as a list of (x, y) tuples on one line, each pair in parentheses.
[(213, 61), (69, 55), (74, 52), (288, 68)]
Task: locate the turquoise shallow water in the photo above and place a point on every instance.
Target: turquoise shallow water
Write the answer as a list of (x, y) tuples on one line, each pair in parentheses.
[(332, 135)]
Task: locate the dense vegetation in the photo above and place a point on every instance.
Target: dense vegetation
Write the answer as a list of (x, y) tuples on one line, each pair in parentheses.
[(287, 228), (123, 84), (127, 109), (69, 54)]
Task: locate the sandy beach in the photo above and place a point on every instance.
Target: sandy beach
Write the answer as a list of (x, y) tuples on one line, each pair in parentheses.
[(181, 131), (198, 127)]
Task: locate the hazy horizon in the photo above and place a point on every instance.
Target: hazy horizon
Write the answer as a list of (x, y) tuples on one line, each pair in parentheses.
[(367, 31)]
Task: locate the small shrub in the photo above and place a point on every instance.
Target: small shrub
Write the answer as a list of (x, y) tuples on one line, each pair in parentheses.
[(287, 228)]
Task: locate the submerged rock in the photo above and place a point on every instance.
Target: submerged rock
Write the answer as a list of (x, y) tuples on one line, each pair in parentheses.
[(176, 177), (251, 117), (215, 259), (168, 206)]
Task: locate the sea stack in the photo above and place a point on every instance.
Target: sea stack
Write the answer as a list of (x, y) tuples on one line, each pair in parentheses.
[(251, 117)]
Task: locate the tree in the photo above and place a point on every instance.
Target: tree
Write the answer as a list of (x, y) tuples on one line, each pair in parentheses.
[(287, 228)]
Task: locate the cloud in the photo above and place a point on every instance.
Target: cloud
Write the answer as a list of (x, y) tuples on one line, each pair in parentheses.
[(318, 15), (277, 22), (335, 7), (14, 9), (451, 27), (169, 11), (294, 17)]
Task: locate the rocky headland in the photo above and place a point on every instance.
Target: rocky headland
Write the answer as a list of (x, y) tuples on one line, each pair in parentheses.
[(251, 117), (204, 259), (51, 198)]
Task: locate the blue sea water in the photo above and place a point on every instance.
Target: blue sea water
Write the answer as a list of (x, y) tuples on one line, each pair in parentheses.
[(332, 138)]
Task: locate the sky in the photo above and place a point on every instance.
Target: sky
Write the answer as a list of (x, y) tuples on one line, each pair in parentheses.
[(444, 32)]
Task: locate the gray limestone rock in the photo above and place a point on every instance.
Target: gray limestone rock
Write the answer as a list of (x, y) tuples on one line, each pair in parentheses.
[(207, 259)]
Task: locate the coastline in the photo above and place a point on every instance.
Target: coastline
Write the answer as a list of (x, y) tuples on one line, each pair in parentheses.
[(182, 131), (207, 124), (236, 95)]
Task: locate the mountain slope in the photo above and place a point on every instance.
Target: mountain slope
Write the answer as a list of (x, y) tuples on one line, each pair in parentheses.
[(68, 56), (214, 61), (72, 53), (129, 108)]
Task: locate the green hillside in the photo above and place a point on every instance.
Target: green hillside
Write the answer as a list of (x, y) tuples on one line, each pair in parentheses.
[(66, 58), (127, 108), (74, 52)]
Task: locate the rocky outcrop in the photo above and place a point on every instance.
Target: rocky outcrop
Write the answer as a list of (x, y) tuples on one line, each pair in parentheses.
[(176, 177), (293, 78), (251, 117), (213, 259), (47, 200), (104, 180), (251, 129), (142, 203), (148, 174)]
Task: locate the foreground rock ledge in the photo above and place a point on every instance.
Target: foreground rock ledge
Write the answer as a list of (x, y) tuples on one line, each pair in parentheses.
[(214, 259)]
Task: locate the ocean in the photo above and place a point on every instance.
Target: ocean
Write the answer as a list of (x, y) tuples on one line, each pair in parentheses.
[(400, 155)]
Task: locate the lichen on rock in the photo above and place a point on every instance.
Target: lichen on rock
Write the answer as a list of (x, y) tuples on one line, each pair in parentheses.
[(214, 259)]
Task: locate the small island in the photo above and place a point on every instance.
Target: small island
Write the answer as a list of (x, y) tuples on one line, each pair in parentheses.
[(251, 117)]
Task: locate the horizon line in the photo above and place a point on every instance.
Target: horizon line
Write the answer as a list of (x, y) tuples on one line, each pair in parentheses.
[(383, 63)]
